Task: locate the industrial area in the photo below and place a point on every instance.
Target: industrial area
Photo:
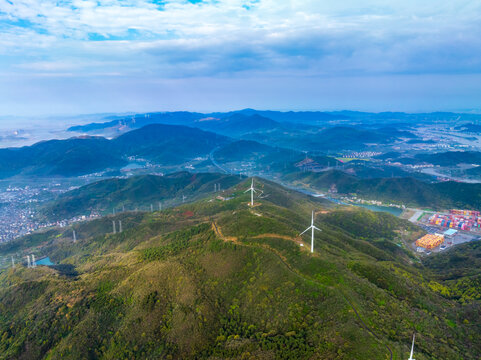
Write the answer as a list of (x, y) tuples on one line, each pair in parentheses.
[(447, 229)]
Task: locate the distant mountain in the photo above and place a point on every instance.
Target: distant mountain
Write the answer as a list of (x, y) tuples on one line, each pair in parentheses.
[(451, 158), (326, 139), (135, 192), (168, 144), (306, 117), (162, 144), (393, 117), (318, 118), (344, 138), (469, 128), (137, 121), (393, 131), (365, 170), (408, 191), (71, 157), (247, 150), (236, 121), (238, 124)]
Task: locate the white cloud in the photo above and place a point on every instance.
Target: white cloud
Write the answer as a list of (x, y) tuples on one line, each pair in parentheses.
[(218, 38)]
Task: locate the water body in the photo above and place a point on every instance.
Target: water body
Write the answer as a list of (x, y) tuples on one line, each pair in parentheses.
[(389, 209), (45, 261)]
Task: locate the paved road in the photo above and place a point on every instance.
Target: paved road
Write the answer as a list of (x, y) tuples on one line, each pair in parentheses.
[(211, 157)]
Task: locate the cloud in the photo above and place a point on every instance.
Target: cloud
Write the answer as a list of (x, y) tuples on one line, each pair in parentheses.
[(176, 39)]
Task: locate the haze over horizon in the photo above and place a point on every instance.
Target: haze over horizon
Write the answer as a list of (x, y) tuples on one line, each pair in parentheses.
[(78, 57)]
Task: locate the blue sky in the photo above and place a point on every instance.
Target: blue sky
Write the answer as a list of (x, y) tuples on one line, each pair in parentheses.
[(85, 56)]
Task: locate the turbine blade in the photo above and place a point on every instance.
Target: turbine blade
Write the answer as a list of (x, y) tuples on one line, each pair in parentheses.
[(315, 227), (247, 190), (309, 228)]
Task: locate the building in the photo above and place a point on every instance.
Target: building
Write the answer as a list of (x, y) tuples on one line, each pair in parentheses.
[(430, 241), (450, 233)]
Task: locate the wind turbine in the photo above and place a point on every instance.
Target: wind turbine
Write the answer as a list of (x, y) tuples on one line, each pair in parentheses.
[(252, 190), (412, 349), (312, 228)]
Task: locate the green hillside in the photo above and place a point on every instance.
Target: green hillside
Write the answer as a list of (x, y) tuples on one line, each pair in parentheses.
[(261, 154), (165, 145), (408, 191), (217, 279), (137, 192), (168, 144), (71, 157)]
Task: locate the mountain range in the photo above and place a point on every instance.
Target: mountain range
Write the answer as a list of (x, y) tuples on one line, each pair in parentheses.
[(218, 279), (165, 144)]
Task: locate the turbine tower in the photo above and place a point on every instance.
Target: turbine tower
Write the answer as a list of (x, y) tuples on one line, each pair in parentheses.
[(312, 228), (113, 225), (412, 349), (28, 262), (74, 236), (252, 190), (34, 263), (120, 226)]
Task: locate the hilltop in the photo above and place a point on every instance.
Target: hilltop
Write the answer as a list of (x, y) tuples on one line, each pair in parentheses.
[(137, 192), (161, 144), (218, 279)]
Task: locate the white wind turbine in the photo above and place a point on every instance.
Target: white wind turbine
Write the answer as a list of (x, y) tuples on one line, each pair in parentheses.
[(252, 190), (412, 349), (312, 228)]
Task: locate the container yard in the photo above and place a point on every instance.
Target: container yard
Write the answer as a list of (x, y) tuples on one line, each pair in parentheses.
[(465, 220)]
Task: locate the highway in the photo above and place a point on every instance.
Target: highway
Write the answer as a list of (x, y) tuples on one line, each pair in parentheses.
[(211, 157)]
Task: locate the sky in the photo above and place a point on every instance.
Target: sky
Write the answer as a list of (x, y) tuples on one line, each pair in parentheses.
[(83, 56)]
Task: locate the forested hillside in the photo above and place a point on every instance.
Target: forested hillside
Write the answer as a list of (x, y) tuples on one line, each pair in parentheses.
[(220, 279), (407, 191)]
